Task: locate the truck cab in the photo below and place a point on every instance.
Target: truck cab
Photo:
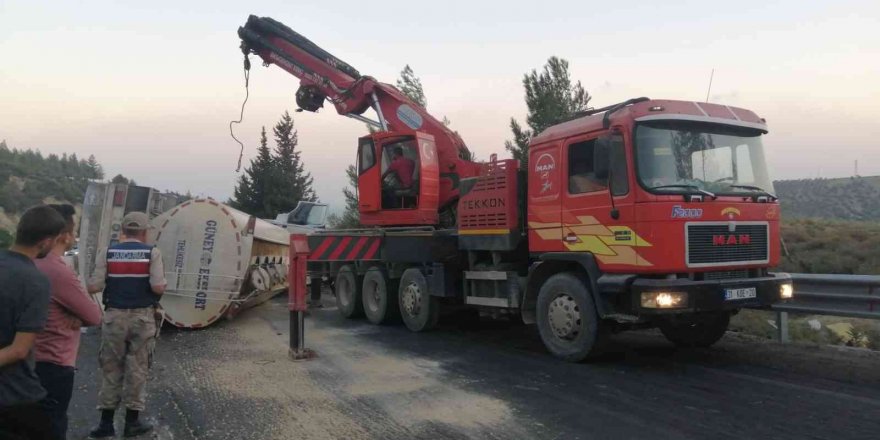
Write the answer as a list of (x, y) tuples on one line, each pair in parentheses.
[(671, 205), (305, 217)]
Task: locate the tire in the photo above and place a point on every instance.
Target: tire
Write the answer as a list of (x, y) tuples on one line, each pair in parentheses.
[(567, 319), (348, 293), (419, 310), (379, 297), (699, 330)]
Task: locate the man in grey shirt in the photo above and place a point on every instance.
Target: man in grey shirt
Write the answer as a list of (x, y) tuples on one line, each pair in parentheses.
[(24, 302)]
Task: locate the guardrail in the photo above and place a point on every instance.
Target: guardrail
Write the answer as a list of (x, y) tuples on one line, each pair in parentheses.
[(854, 296)]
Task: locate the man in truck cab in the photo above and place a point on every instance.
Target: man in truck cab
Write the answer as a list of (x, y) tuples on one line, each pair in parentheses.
[(403, 169)]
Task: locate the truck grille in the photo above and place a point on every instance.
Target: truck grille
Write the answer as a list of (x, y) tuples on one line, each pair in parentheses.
[(714, 244)]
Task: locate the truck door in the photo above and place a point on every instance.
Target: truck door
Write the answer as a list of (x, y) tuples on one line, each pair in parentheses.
[(369, 191), (544, 206), (597, 209)]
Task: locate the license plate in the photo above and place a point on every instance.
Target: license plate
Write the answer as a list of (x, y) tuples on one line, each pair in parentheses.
[(743, 293)]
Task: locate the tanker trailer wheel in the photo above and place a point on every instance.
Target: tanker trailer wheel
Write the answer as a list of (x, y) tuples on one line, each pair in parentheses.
[(567, 319), (380, 296), (420, 311), (698, 330), (348, 293)]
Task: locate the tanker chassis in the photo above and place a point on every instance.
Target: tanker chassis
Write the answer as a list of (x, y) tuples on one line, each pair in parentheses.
[(650, 213)]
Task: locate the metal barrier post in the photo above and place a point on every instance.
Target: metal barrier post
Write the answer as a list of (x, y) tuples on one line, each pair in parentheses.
[(299, 255), (782, 327)]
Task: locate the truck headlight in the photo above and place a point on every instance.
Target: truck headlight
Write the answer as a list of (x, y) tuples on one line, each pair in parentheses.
[(786, 290), (664, 300)]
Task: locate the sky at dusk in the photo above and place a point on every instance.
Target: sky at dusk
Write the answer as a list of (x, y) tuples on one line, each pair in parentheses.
[(149, 87)]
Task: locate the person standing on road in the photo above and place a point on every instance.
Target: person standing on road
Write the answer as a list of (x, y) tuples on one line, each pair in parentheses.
[(70, 307), (132, 277), (24, 299)]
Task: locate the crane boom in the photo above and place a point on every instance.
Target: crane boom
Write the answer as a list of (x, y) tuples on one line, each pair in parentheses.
[(325, 77)]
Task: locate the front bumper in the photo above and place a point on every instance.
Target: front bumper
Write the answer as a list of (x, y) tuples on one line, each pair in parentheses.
[(708, 296)]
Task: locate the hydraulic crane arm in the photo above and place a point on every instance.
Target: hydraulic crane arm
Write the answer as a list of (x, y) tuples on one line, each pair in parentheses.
[(325, 77)]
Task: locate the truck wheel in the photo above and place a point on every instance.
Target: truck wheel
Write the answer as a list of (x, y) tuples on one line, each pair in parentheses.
[(348, 293), (567, 320), (380, 296), (699, 330), (419, 310)]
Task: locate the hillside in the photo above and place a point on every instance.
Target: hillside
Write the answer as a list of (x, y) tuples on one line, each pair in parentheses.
[(27, 177), (849, 198)]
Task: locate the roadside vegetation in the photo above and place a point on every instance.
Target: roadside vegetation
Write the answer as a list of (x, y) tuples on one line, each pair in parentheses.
[(831, 246), (823, 246), (810, 329)]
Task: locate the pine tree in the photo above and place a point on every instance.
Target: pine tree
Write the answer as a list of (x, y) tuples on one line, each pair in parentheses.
[(291, 182), (255, 185), (351, 217), (119, 178), (411, 86), (519, 146), (550, 97), (94, 169)]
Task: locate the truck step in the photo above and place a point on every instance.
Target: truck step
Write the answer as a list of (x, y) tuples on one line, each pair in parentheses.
[(622, 317), (492, 275), (505, 303)]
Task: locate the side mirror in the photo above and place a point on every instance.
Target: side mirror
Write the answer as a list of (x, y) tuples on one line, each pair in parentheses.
[(602, 157)]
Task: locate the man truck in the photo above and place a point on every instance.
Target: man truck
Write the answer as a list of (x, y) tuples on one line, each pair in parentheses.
[(647, 213)]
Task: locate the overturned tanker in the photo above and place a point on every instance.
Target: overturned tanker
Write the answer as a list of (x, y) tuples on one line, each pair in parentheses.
[(218, 261)]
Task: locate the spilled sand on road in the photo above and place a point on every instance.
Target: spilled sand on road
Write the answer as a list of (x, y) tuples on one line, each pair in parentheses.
[(263, 372), (410, 389), (399, 395)]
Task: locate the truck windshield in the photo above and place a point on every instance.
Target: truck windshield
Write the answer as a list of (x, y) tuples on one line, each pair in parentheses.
[(683, 157), (307, 214)]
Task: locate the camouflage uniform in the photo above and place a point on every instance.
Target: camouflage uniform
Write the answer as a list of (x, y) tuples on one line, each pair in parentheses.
[(131, 322), (127, 342)]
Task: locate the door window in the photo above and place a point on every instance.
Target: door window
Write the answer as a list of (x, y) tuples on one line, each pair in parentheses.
[(366, 155), (581, 172), (619, 178)]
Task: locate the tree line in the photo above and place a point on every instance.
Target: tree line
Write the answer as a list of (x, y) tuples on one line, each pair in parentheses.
[(27, 177)]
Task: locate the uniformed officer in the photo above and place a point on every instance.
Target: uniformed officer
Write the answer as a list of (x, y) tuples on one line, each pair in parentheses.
[(133, 280)]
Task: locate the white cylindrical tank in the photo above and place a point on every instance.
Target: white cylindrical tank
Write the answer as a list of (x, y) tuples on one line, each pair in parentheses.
[(217, 261)]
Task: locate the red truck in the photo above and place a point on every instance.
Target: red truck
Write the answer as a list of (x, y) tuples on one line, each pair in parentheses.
[(646, 213)]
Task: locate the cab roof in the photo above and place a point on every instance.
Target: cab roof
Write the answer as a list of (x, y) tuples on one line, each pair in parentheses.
[(656, 109)]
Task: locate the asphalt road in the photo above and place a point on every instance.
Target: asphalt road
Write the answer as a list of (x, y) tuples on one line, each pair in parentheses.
[(486, 379)]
